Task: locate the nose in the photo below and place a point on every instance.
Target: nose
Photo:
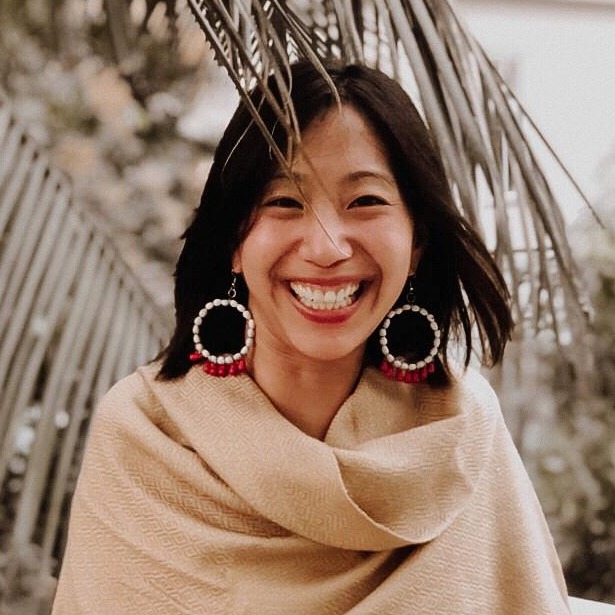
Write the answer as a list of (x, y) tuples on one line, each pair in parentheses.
[(325, 241)]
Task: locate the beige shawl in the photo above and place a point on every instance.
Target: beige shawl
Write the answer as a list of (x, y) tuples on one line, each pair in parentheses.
[(196, 497)]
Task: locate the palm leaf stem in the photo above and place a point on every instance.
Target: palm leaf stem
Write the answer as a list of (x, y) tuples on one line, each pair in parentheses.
[(352, 46), (237, 81), (431, 105)]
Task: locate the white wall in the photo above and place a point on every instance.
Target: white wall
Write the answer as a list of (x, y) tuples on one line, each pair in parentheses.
[(563, 56)]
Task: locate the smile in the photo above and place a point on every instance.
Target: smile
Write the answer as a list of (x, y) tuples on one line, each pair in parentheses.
[(319, 298)]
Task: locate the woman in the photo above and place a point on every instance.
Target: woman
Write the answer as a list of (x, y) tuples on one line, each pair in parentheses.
[(284, 472)]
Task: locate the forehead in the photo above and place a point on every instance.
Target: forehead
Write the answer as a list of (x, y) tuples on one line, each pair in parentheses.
[(340, 140)]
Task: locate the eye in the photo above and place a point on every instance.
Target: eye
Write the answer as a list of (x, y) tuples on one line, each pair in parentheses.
[(284, 202), (368, 200)]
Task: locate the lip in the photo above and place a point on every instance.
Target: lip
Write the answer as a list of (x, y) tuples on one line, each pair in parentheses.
[(326, 317)]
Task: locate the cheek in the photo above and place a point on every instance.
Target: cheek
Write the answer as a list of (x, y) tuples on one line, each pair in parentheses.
[(394, 243), (264, 245)]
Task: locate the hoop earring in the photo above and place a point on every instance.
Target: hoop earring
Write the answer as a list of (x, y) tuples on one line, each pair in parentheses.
[(227, 364), (398, 368)]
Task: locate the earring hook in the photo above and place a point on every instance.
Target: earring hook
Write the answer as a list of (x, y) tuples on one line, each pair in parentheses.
[(232, 291), (410, 294)]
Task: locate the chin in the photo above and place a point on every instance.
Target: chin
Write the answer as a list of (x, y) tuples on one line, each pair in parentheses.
[(331, 352)]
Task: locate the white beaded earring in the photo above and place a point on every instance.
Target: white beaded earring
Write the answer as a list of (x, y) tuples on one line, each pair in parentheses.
[(398, 367), (226, 364)]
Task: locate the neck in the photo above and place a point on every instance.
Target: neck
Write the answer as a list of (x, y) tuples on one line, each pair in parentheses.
[(306, 392)]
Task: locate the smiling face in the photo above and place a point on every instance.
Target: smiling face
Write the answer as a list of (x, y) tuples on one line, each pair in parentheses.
[(330, 249)]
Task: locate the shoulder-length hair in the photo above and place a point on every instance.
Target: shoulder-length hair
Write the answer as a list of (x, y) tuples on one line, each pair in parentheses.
[(457, 280)]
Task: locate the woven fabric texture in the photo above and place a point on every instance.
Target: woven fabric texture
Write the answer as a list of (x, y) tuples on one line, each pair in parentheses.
[(196, 497)]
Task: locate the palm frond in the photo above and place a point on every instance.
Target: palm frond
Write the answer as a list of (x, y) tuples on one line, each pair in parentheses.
[(483, 133), (73, 320)]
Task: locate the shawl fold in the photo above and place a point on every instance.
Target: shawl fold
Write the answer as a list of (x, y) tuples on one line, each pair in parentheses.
[(197, 497)]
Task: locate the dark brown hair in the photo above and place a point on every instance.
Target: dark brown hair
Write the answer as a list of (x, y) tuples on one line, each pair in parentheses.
[(456, 279)]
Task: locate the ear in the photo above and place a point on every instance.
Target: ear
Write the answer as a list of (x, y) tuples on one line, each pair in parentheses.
[(417, 252), (236, 261), (419, 241)]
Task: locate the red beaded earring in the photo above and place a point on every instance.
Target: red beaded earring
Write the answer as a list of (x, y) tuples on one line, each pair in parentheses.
[(227, 364), (399, 368)]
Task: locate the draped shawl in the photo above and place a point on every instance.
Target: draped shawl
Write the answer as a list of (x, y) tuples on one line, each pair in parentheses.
[(197, 497)]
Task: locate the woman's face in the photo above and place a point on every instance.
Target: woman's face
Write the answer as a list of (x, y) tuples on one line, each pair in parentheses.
[(331, 248)]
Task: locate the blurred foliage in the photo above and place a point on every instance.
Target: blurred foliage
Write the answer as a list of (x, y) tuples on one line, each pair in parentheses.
[(579, 470), (108, 109), (564, 421), (112, 127)]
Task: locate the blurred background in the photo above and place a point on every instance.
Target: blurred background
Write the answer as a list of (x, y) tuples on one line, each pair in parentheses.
[(128, 104)]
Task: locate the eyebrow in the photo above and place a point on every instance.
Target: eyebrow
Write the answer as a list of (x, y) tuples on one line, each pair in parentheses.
[(351, 178), (359, 175)]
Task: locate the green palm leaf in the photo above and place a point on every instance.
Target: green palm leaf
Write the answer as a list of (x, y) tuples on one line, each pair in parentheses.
[(482, 131), (73, 320)]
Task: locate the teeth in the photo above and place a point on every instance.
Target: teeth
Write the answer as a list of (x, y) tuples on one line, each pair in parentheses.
[(317, 299)]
